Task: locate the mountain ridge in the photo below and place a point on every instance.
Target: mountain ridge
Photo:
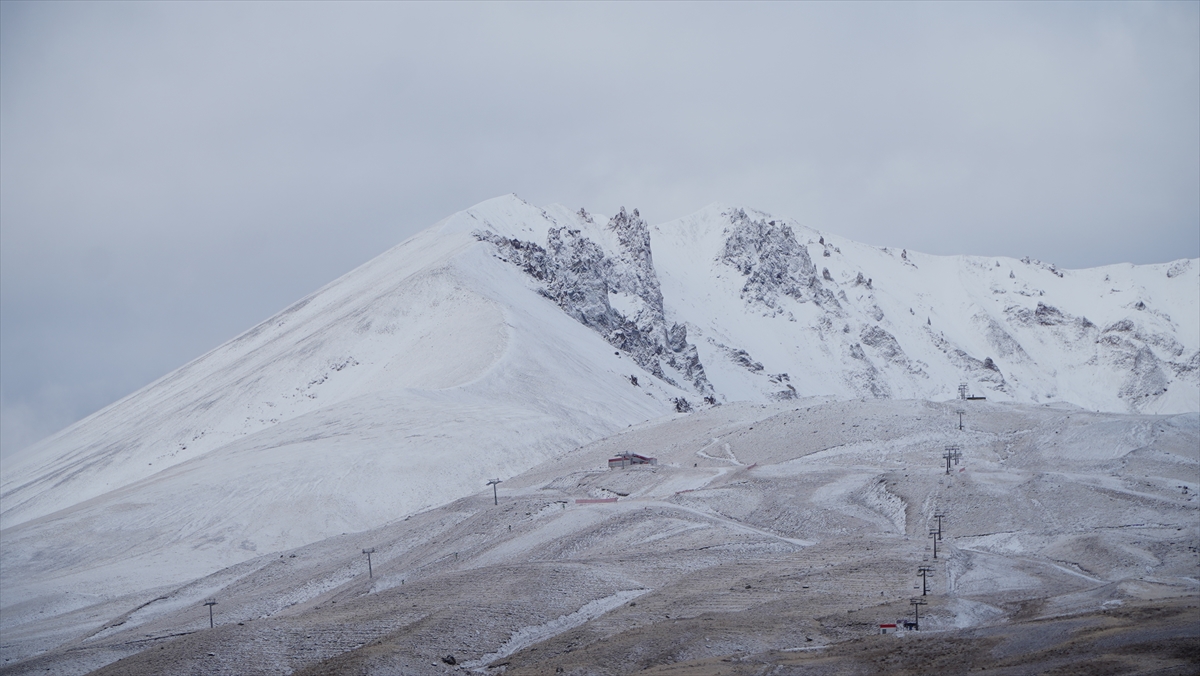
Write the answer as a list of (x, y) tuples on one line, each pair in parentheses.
[(448, 361)]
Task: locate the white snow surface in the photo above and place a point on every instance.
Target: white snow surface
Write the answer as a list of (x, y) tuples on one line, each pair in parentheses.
[(412, 380)]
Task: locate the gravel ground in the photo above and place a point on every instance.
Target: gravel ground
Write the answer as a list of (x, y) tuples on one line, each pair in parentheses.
[(768, 540)]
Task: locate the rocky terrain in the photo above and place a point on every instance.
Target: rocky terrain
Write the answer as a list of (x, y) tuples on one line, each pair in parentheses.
[(769, 538), (1014, 330)]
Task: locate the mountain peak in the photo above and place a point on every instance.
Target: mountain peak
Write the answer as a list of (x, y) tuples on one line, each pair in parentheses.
[(507, 334)]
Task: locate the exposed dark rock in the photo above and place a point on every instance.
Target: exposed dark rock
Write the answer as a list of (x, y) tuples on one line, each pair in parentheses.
[(528, 256), (1049, 267), (773, 262), (885, 344), (1179, 267), (742, 358), (784, 395), (637, 276), (1048, 315), (1000, 339), (578, 275), (1066, 326), (1146, 378), (865, 377), (1189, 367)]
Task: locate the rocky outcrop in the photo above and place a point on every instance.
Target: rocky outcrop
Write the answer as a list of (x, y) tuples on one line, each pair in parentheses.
[(1000, 339), (773, 262), (1147, 360), (866, 336), (864, 377), (581, 276)]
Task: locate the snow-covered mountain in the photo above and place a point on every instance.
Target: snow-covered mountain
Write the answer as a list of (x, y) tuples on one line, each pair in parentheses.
[(738, 305), (508, 334)]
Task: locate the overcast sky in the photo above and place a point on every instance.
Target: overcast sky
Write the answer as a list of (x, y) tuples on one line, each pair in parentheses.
[(173, 173)]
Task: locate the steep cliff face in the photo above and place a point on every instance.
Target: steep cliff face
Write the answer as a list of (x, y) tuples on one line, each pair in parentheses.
[(587, 280), (772, 261)]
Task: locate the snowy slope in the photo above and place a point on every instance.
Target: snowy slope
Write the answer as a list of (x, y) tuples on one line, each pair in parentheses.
[(507, 334), (404, 384), (873, 322), (763, 527)]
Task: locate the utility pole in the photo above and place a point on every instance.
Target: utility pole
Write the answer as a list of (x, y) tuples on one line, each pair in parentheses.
[(916, 604), (210, 603), (923, 571), (495, 498), (952, 453), (960, 413), (934, 534), (369, 551), (939, 516)]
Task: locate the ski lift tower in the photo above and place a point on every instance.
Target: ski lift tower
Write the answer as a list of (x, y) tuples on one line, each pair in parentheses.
[(924, 571), (916, 604), (939, 516), (369, 551), (210, 603), (952, 454)]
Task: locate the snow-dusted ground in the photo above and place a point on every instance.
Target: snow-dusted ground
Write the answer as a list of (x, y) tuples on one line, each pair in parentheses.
[(341, 413), (763, 527), (506, 335)]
